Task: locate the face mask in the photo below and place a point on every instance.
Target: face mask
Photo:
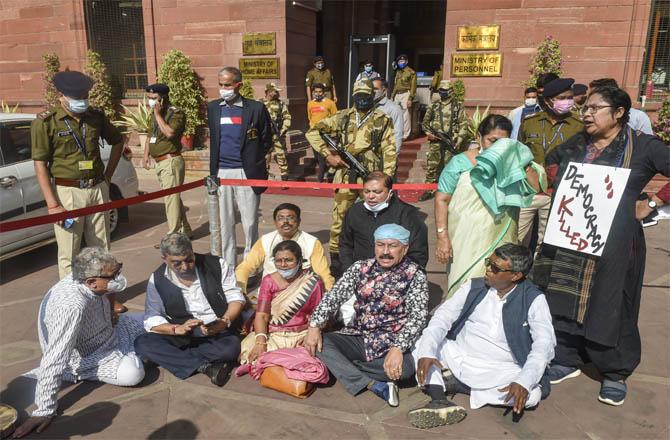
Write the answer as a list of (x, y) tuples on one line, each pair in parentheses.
[(379, 94), (563, 106), (118, 284), (364, 104), (289, 273), (402, 64), (368, 69), (444, 95), (77, 105), (530, 102), (320, 66), (379, 206), (152, 103), (318, 98), (226, 94)]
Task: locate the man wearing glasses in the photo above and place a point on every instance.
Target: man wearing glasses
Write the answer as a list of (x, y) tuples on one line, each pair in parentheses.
[(493, 339), (191, 309), (79, 337)]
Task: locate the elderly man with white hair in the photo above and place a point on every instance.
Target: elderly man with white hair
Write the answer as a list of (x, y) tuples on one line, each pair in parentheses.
[(78, 338), (391, 308)]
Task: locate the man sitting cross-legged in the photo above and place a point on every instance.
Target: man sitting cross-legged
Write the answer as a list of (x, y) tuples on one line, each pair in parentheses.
[(496, 338), (191, 302), (391, 310)]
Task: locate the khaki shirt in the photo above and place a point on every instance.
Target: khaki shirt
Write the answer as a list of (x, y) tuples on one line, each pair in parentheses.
[(283, 122), (316, 76), (435, 83), (163, 145), (541, 136), (53, 142), (438, 118), (358, 140), (405, 81)]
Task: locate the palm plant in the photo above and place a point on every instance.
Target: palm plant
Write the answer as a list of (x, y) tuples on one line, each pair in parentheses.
[(7, 109), (138, 121), (474, 121)]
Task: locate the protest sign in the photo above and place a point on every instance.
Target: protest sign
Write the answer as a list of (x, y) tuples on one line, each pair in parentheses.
[(584, 206)]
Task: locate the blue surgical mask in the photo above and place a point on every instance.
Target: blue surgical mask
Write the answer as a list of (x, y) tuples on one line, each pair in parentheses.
[(402, 64), (368, 69), (289, 273), (118, 284), (77, 105)]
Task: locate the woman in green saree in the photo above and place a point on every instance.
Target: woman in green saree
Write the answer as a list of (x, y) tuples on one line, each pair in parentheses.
[(478, 198)]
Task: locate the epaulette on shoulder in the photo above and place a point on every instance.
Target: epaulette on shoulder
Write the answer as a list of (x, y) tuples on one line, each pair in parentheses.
[(534, 115), (175, 109), (45, 114)]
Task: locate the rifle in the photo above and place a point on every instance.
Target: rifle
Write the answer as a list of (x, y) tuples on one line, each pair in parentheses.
[(277, 123), (355, 167), (445, 142)]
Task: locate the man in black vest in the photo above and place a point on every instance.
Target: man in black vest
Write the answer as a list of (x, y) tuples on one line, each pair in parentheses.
[(496, 338), (192, 301)]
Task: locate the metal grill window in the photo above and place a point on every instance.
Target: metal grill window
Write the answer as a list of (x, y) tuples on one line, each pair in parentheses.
[(115, 29), (655, 80)]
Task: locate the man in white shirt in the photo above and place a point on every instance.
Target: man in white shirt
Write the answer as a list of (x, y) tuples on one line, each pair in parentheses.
[(496, 338), (192, 302), (391, 109)]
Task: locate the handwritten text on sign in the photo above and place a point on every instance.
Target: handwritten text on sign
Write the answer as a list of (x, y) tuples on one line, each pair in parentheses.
[(584, 206)]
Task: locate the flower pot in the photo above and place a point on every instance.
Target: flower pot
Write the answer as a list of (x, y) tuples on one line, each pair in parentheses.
[(187, 142), (143, 139)]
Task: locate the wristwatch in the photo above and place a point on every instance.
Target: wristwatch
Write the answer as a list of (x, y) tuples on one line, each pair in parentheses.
[(652, 204)]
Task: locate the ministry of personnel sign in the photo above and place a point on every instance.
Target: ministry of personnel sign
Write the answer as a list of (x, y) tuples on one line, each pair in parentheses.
[(584, 207), (476, 64), (259, 67)]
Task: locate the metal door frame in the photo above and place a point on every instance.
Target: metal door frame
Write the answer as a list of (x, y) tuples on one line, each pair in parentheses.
[(356, 40)]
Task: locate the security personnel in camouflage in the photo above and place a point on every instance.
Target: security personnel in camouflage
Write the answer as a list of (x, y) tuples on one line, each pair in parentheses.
[(367, 133), (164, 146), (280, 120), (404, 91), (447, 118), (320, 75), (68, 167)]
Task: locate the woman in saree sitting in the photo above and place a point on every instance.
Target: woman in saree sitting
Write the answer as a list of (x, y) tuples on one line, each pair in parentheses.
[(478, 198), (282, 314)]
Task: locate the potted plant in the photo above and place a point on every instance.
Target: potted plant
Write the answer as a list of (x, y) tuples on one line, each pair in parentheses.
[(185, 91), (137, 121), (100, 95), (51, 67), (474, 121)]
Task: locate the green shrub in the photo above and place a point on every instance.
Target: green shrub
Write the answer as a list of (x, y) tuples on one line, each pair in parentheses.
[(459, 91), (100, 95), (247, 90), (547, 59), (51, 67), (662, 125)]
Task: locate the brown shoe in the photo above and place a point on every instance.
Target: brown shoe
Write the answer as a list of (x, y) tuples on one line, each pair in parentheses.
[(119, 308)]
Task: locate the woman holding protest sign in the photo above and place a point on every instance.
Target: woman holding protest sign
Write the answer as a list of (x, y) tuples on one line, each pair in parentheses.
[(595, 297)]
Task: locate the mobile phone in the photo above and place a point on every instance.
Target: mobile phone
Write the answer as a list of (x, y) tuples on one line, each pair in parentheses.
[(209, 321)]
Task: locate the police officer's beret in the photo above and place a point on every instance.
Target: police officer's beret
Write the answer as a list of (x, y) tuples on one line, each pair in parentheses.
[(579, 89), (363, 86), (403, 56), (272, 86), (557, 86), (317, 59), (161, 89), (445, 84), (73, 84)]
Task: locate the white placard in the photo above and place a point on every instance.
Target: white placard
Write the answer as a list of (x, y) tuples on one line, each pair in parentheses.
[(584, 207)]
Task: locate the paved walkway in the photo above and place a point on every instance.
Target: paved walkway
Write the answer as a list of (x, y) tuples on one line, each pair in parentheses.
[(165, 407)]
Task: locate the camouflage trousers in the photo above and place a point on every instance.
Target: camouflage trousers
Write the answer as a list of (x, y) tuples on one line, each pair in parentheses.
[(279, 151), (344, 199), (435, 161)]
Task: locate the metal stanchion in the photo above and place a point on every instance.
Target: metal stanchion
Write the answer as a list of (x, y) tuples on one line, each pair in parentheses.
[(212, 184)]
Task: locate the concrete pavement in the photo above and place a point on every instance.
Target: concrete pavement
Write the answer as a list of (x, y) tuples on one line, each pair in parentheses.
[(165, 407)]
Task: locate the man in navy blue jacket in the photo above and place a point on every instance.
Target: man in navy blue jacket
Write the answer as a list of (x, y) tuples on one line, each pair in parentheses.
[(240, 137)]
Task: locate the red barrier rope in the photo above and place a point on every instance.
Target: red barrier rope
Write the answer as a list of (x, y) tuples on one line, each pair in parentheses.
[(53, 218)]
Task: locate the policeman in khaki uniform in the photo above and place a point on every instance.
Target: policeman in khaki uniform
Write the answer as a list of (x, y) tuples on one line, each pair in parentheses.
[(367, 133), (404, 91), (65, 147), (542, 132), (435, 84), (320, 75), (280, 120), (439, 117), (164, 146)]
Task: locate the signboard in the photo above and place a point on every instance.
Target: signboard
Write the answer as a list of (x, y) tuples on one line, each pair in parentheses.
[(476, 64), (478, 37), (259, 67), (584, 206), (259, 43)]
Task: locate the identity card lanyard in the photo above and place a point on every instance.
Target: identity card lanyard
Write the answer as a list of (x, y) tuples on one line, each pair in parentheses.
[(359, 124), (556, 133), (80, 142)]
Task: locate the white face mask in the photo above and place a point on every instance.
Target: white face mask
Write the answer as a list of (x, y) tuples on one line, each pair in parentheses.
[(152, 103), (77, 106), (379, 206), (530, 102), (227, 94), (289, 273), (379, 94), (118, 284)]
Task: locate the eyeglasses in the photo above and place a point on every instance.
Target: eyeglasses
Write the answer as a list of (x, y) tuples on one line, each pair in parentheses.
[(494, 268), (112, 276), (592, 109), (289, 219)]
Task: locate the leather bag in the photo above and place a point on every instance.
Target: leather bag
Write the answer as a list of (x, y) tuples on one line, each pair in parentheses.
[(275, 378)]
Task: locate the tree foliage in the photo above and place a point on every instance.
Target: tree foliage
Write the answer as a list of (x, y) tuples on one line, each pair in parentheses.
[(662, 125), (547, 59), (459, 91), (247, 91), (51, 67), (100, 95)]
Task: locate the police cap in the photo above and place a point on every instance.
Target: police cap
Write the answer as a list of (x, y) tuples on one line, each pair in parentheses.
[(557, 86), (161, 89), (272, 86), (73, 84), (317, 59), (445, 84), (579, 89)]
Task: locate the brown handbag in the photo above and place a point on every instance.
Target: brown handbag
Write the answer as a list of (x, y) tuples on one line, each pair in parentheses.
[(275, 378)]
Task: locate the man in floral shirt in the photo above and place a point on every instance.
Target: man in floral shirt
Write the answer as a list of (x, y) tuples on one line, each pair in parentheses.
[(391, 311)]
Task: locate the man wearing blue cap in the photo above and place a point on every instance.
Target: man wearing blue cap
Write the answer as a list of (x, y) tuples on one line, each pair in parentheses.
[(391, 307)]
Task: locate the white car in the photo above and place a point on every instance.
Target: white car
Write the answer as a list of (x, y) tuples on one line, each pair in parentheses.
[(20, 194)]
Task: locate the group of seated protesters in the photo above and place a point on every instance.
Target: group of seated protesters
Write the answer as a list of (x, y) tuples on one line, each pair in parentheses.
[(492, 338)]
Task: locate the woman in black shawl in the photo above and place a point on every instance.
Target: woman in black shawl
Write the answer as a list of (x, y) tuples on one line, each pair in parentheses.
[(595, 301)]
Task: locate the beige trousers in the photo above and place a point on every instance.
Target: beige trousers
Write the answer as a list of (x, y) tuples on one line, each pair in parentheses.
[(541, 205), (401, 99), (170, 173), (94, 228)]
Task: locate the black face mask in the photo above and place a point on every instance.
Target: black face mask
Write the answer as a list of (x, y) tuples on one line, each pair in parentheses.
[(364, 103), (444, 95)]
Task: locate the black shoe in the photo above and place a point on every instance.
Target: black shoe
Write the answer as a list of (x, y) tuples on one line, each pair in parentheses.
[(218, 372), (335, 265), (426, 196), (436, 413), (453, 386)]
